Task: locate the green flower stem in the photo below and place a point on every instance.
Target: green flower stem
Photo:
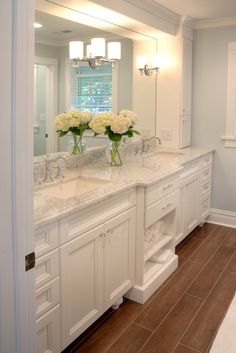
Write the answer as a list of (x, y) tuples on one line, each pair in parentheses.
[(115, 154), (78, 147)]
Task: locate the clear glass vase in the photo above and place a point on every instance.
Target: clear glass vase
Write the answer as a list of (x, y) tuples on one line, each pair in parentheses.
[(115, 153), (76, 146)]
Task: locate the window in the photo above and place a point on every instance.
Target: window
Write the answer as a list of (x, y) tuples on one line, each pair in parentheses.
[(230, 134), (91, 89)]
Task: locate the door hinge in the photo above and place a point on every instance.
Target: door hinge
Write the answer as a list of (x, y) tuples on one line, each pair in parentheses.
[(29, 261)]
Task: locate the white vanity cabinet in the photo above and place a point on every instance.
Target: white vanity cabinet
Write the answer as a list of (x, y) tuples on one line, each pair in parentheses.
[(195, 196), (85, 263), (156, 229), (97, 269)]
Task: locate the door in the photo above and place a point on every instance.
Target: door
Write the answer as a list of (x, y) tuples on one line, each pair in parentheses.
[(81, 283), (119, 256), (191, 203)]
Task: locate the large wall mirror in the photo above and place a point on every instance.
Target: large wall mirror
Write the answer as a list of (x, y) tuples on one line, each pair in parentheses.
[(56, 81)]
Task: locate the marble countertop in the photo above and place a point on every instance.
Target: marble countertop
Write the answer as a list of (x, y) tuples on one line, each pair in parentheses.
[(52, 201)]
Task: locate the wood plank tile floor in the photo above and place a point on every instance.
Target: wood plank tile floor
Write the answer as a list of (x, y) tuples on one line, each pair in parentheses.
[(185, 313)]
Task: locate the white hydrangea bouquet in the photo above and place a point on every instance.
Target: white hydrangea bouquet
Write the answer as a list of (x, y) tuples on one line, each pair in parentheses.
[(114, 126), (74, 122)]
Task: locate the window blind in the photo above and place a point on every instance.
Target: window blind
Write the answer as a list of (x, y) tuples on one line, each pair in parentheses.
[(91, 89)]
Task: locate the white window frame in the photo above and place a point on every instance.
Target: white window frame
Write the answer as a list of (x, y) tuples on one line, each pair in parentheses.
[(114, 87), (230, 135)]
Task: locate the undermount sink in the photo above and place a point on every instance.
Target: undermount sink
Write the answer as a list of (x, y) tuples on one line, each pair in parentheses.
[(75, 187)]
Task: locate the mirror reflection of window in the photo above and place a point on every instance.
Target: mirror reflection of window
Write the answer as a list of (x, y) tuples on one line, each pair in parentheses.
[(91, 89)]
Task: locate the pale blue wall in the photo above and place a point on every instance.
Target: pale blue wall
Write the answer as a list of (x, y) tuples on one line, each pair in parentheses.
[(209, 109)]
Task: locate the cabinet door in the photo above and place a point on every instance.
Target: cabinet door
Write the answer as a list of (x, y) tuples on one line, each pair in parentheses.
[(186, 94), (81, 283), (179, 218), (119, 256), (191, 203)]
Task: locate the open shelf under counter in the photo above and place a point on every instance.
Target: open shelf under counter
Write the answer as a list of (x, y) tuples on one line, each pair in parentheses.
[(156, 246)]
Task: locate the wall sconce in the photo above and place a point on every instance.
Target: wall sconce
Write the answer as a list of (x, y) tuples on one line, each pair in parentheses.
[(145, 68), (95, 53)]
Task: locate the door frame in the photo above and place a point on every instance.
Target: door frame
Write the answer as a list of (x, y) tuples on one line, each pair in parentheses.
[(17, 320), (52, 99)]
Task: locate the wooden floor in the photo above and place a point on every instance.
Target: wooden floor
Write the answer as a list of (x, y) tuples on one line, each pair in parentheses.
[(184, 314)]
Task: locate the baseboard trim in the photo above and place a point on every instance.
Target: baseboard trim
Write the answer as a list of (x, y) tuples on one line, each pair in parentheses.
[(224, 218)]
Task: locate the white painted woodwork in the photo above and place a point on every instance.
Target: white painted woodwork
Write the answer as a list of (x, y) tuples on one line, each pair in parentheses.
[(186, 77), (17, 322), (161, 208), (47, 296), (161, 201), (190, 203), (78, 223), (81, 283), (48, 332), (175, 82), (119, 256), (194, 196), (185, 131), (46, 268), (98, 268), (46, 239)]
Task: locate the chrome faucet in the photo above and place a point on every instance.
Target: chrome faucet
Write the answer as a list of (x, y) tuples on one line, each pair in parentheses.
[(48, 170)]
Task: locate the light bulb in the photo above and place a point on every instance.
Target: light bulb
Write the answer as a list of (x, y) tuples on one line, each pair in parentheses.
[(155, 61)]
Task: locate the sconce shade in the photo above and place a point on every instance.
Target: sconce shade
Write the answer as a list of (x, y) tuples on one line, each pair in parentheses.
[(114, 50), (155, 61), (89, 53), (98, 47), (141, 61), (76, 50)]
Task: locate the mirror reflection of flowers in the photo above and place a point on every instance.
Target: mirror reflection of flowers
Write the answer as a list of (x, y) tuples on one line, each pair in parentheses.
[(74, 122), (114, 126)]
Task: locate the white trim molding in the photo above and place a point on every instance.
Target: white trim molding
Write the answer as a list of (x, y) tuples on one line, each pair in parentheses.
[(222, 217), (216, 22), (230, 133)]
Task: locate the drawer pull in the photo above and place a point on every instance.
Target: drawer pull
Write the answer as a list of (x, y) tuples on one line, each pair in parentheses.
[(109, 232)]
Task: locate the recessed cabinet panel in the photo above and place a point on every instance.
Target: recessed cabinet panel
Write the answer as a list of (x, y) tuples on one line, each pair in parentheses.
[(119, 256), (186, 91), (47, 296), (46, 239), (46, 268), (185, 131), (48, 332), (191, 203), (81, 283)]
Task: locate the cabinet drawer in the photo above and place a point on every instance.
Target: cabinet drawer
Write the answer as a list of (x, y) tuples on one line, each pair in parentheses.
[(205, 204), (158, 191), (48, 332), (47, 268), (46, 239), (84, 220), (205, 187), (161, 208), (207, 160), (47, 296), (206, 174)]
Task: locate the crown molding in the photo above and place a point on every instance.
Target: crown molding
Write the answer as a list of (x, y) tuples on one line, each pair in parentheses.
[(152, 7), (216, 22)]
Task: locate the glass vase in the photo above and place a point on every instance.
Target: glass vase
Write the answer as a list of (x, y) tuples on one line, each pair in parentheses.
[(115, 153), (76, 145)]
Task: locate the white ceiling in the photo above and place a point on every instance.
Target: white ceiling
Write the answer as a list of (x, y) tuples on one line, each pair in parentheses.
[(201, 9)]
